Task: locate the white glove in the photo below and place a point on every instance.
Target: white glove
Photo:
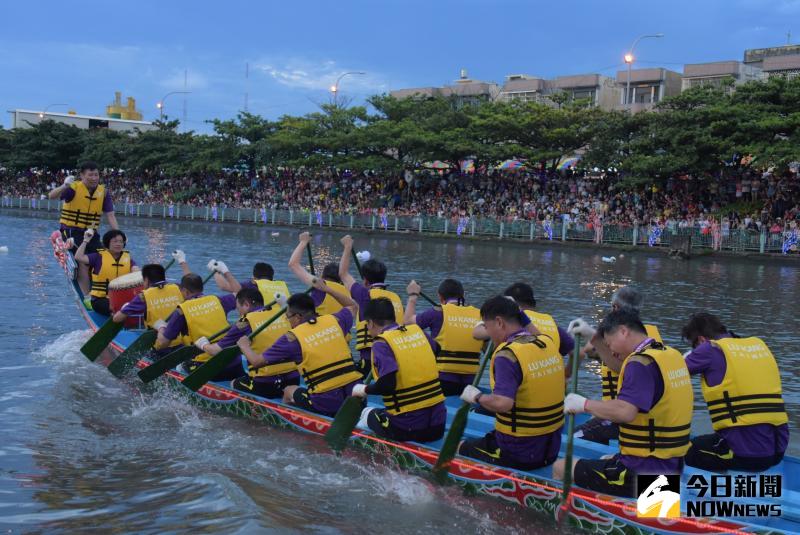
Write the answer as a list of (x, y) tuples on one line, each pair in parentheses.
[(470, 393), (212, 265), (70, 243), (179, 256), (687, 354), (578, 326), (69, 180), (281, 299), (574, 403), (363, 256), (160, 324), (360, 391), (88, 235), (220, 267), (201, 342)]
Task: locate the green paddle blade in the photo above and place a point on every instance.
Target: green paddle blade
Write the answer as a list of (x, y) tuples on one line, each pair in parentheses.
[(567, 484), (128, 359), (342, 427), (100, 339), (169, 361), (205, 373), (450, 444)]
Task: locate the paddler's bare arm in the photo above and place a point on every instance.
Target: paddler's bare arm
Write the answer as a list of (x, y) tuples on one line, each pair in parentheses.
[(295, 260), (410, 312), (344, 262), (80, 253), (112, 220), (616, 410), (254, 360)]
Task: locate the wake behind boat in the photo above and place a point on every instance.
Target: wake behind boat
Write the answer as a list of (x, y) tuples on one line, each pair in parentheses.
[(585, 509)]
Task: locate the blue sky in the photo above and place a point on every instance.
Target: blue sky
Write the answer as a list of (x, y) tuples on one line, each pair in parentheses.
[(80, 52)]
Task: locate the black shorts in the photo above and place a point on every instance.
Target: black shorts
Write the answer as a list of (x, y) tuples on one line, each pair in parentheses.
[(598, 430), (451, 388), (233, 371), (608, 476), (265, 389), (712, 453), (380, 423), (101, 305), (486, 449), (302, 399), (77, 235)]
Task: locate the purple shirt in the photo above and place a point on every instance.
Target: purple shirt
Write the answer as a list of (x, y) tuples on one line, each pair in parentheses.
[(759, 440), (386, 363), (233, 335), (285, 349), (96, 262), (135, 307), (68, 194), (360, 294), (531, 450), (176, 323), (318, 296), (433, 319), (643, 387)]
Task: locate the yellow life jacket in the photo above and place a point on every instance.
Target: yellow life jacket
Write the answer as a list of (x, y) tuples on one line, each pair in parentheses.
[(269, 288), (204, 316), (266, 338), (330, 305), (418, 383), (663, 431), (160, 302), (610, 378), (363, 339), (85, 209), (539, 405), (327, 363), (110, 269), (546, 325), (458, 352), (750, 393)]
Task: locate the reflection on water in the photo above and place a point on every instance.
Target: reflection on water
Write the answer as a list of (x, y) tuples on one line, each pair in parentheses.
[(88, 451)]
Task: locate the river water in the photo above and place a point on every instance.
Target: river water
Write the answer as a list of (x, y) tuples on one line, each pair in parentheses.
[(82, 450)]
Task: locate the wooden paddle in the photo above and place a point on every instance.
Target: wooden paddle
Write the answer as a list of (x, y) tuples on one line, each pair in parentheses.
[(456, 431), (105, 334), (170, 360), (347, 417), (218, 362), (567, 486)]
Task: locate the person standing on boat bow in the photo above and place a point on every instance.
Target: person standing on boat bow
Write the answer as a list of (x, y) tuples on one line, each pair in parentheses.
[(199, 315), (450, 325), (741, 385), (404, 366), (106, 264), (318, 345), (653, 409), (372, 286), (599, 429), (527, 382)]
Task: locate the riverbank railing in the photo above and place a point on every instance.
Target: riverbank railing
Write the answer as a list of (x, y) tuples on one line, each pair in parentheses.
[(735, 240)]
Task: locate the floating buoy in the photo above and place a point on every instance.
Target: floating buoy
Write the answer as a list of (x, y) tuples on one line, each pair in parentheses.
[(275, 234), (609, 259), (622, 255), (3, 249), (363, 256)]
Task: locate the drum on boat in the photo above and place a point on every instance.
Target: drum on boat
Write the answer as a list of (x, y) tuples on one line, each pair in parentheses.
[(123, 289)]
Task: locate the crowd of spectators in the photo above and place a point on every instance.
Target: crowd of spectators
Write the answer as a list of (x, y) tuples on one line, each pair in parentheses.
[(742, 199)]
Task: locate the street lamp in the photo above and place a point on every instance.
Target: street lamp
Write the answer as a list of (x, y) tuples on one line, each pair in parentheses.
[(335, 87), (44, 112), (160, 103), (629, 60)]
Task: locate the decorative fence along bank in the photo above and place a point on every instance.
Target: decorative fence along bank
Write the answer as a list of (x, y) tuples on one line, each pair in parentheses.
[(744, 241)]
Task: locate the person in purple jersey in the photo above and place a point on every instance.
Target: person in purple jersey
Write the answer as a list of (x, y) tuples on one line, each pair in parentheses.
[(192, 288), (330, 274), (261, 270), (406, 376), (105, 265), (753, 445), (318, 345), (654, 414), (528, 404)]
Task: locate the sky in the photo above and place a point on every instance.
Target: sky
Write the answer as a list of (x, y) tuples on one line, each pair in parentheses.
[(79, 53)]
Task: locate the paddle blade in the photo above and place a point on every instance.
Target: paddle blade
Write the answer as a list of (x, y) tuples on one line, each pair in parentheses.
[(342, 427), (166, 363), (138, 348), (450, 444), (100, 339), (205, 373)]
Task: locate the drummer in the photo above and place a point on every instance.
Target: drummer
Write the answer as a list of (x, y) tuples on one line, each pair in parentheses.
[(105, 265)]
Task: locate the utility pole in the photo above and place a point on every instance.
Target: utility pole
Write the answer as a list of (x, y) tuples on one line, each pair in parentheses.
[(246, 85), (186, 91)]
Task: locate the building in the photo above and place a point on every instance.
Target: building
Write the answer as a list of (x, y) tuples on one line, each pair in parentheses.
[(28, 118), (116, 110), (775, 61), (601, 91), (464, 91), (647, 87), (522, 87), (716, 73)]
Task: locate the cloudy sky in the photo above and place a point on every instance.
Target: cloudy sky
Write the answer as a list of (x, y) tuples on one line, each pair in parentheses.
[(78, 53)]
